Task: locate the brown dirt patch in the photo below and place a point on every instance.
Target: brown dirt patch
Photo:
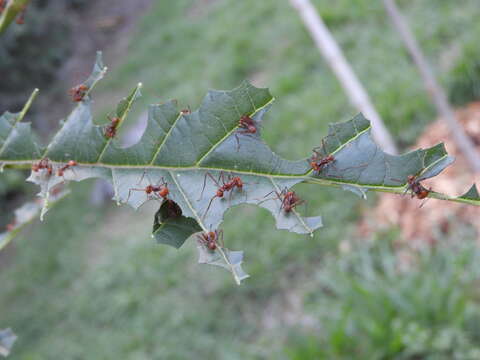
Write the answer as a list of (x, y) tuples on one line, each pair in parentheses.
[(424, 225)]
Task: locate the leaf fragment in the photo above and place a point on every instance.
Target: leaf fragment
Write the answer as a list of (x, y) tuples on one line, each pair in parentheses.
[(7, 339)]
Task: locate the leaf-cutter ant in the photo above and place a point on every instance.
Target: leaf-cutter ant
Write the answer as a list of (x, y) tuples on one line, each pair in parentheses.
[(78, 92), (288, 198), (246, 125), (318, 161), (43, 164), (111, 129), (186, 111), (211, 239), (416, 188), (160, 191), (68, 165), (231, 183)]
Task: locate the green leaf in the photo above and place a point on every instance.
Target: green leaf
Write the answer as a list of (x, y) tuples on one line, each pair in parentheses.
[(359, 162), (471, 196), (230, 260), (194, 154), (170, 227)]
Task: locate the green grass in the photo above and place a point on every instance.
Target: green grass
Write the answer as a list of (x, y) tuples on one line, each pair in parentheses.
[(90, 283), (370, 307)]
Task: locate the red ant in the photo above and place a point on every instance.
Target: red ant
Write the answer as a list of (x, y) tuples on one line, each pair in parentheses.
[(248, 125), (288, 198), (111, 129), (232, 182), (246, 122), (2, 6), (160, 190), (68, 165), (186, 111), (78, 92), (43, 164), (416, 188), (317, 162), (210, 239), (20, 20)]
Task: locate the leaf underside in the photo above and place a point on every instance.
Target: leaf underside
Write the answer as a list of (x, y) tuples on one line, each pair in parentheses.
[(186, 150), (7, 339)]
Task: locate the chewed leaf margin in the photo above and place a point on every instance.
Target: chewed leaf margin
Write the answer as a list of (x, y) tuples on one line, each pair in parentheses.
[(196, 153)]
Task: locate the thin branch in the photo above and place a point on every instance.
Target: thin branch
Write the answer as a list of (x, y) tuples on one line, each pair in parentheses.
[(434, 89), (334, 57)]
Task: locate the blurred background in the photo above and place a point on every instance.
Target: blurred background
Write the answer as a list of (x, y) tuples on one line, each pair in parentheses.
[(384, 278)]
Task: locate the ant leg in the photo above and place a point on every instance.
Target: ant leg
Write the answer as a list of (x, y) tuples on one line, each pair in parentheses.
[(143, 175), (208, 207), (201, 240), (321, 148), (205, 182), (162, 182), (71, 168), (424, 201), (130, 192), (221, 177), (271, 192), (347, 168), (299, 202)]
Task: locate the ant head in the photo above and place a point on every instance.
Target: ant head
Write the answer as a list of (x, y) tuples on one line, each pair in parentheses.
[(219, 193), (72, 163), (163, 192), (149, 189)]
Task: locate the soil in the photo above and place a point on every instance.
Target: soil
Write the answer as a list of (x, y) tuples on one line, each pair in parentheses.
[(436, 219), (103, 25)]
